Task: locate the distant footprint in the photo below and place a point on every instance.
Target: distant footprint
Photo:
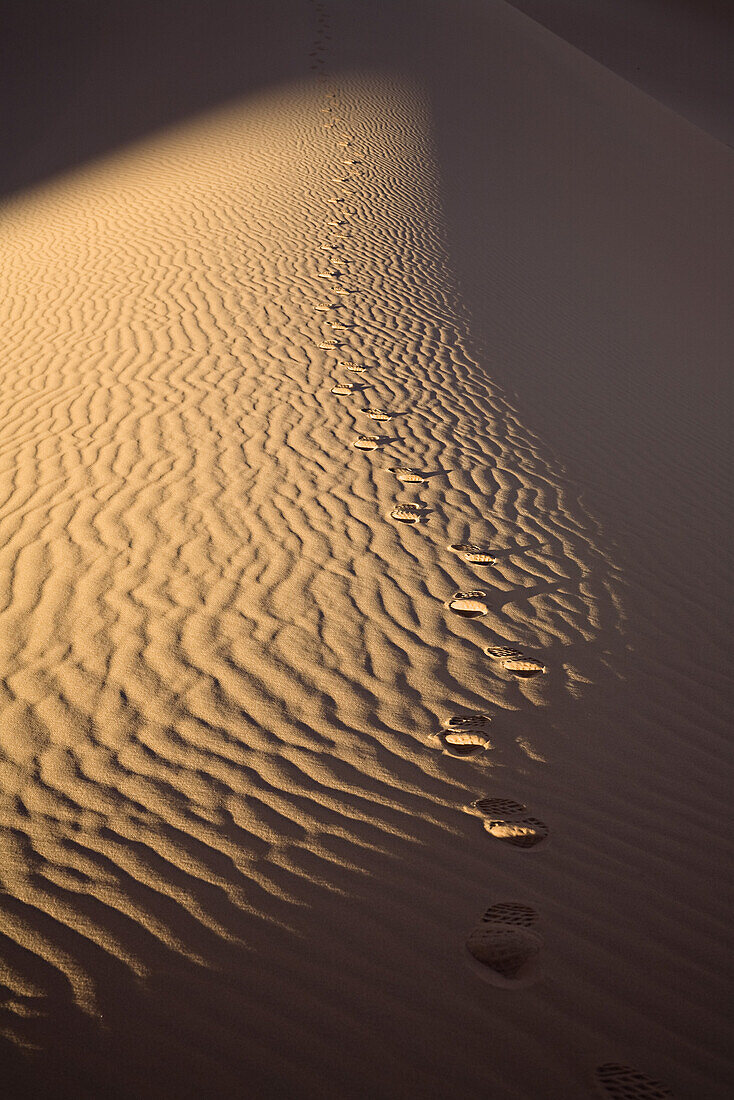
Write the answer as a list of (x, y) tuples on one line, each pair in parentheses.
[(505, 944), (378, 414), (355, 368), (625, 1083), (407, 474), (468, 604), (330, 345)]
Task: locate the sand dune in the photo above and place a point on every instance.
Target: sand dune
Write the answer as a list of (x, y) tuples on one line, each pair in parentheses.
[(251, 817)]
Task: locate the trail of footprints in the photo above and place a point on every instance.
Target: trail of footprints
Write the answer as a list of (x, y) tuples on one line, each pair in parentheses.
[(505, 944)]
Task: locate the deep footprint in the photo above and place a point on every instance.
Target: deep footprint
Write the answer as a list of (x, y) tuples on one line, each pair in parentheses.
[(346, 389), (406, 513), (507, 820), (369, 442), (522, 832), (465, 735), (506, 949), (468, 604), (515, 662), (476, 553), (406, 474)]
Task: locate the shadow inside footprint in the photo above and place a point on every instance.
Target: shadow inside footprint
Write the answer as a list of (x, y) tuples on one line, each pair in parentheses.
[(507, 950), (625, 1083)]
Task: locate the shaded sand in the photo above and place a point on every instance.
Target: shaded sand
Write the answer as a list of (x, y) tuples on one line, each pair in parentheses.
[(678, 51), (235, 859)]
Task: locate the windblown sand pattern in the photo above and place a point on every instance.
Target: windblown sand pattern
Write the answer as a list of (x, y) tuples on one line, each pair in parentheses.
[(227, 836), (197, 586)]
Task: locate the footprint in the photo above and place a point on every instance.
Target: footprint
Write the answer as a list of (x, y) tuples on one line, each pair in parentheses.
[(523, 668), (408, 513), (323, 307), (507, 820), (330, 345), (468, 721), (368, 442), (514, 661), (499, 807), (406, 474), (507, 949), (523, 832), (465, 735), (464, 744), (511, 912), (626, 1083), (501, 652), (355, 368), (345, 389), (468, 604), (378, 414), (327, 274), (478, 553)]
